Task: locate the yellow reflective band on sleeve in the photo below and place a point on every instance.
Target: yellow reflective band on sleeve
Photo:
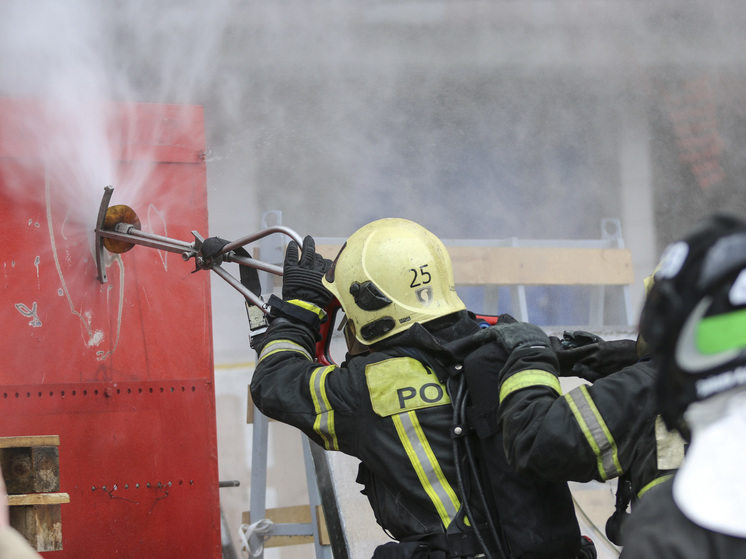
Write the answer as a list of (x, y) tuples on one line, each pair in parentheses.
[(527, 379), (324, 422), (426, 466), (277, 346), (402, 384), (596, 432), (654, 483), (318, 311)]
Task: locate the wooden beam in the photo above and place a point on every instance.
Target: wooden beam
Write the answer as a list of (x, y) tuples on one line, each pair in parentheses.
[(298, 514), (485, 265), (38, 499), (26, 441), (541, 266), (31, 469), (41, 525)]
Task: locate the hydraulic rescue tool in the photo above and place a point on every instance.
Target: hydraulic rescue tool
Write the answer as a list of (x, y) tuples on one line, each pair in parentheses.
[(118, 230)]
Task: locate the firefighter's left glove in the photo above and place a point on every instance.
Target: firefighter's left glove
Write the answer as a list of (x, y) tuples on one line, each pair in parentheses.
[(301, 279), (304, 297)]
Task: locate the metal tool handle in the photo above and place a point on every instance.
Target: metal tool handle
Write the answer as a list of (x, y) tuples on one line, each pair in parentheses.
[(128, 233)]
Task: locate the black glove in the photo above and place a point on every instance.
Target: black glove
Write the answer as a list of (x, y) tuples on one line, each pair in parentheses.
[(212, 245), (302, 279), (585, 355), (515, 335), (249, 276)]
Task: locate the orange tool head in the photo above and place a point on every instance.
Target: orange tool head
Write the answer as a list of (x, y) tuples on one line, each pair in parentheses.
[(114, 216)]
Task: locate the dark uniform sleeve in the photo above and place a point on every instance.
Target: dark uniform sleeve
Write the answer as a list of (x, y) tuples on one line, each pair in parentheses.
[(594, 432), (290, 386)]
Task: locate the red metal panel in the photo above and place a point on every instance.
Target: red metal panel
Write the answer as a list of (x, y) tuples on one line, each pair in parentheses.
[(121, 371)]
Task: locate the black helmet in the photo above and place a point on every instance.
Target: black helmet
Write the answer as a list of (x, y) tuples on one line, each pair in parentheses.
[(694, 318)]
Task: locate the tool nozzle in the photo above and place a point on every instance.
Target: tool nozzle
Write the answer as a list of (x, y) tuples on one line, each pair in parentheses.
[(115, 215)]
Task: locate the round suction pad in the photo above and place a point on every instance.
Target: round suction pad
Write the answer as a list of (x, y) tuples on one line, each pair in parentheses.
[(114, 216)]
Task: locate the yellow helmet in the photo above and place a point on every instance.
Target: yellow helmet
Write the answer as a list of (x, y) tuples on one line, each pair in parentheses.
[(390, 274)]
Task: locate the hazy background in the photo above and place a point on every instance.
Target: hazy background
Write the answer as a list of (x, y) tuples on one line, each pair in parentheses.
[(478, 119)]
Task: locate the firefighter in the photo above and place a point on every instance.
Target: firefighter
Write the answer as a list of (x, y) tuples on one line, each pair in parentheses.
[(693, 322), (390, 403), (12, 544), (608, 429)]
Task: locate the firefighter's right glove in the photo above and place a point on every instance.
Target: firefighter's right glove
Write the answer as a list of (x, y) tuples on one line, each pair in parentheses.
[(530, 362), (585, 355)]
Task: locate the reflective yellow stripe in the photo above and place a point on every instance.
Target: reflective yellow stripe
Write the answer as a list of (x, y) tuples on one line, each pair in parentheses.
[(596, 432), (324, 422), (318, 311), (527, 379), (656, 481), (426, 466), (277, 346)]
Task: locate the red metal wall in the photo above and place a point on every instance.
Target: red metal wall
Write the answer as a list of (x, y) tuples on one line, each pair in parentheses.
[(121, 371)]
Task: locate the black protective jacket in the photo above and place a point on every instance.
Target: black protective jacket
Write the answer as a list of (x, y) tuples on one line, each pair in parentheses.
[(657, 528), (388, 410), (593, 432), (392, 410)]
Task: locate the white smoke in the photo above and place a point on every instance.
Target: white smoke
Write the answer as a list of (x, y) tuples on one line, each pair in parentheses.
[(76, 58)]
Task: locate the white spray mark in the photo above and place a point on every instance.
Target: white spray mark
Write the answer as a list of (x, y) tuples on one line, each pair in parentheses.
[(31, 313), (101, 354), (94, 338), (36, 263), (64, 223), (161, 253)]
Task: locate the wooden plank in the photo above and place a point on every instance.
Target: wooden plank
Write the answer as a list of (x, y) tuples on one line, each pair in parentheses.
[(25, 441), (323, 529), (541, 266), (485, 265), (41, 525), (297, 514), (38, 499)]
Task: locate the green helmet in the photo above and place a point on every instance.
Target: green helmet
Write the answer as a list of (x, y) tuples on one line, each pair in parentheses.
[(389, 275)]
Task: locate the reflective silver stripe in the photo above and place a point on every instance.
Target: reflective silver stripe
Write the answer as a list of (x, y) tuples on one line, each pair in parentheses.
[(426, 466), (283, 345), (324, 422), (596, 432)]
